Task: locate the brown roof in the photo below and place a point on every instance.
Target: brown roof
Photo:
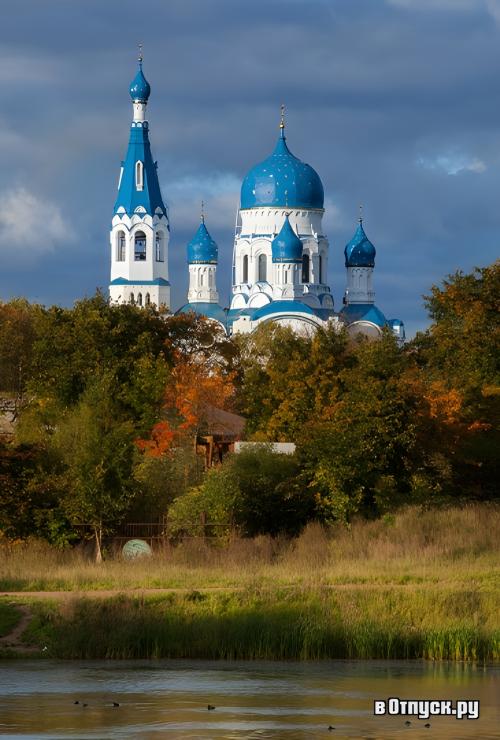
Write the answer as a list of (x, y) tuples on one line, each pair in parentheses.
[(220, 422)]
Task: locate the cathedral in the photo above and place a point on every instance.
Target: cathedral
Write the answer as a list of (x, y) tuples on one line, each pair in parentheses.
[(280, 253)]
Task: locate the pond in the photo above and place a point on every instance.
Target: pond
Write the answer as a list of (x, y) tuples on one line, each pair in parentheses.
[(293, 701)]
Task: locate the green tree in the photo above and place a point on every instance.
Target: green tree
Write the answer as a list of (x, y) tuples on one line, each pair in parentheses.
[(18, 330), (286, 378), (96, 445), (31, 485), (357, 455), (257, 491)]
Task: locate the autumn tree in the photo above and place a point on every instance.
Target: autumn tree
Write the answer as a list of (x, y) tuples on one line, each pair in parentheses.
[(460, 359), (286, 378), (195, 385)]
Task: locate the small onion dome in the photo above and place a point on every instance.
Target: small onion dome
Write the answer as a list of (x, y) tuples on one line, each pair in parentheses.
[(140, 89), (360, 252), (202, 249), (286, 247), (282, 180)]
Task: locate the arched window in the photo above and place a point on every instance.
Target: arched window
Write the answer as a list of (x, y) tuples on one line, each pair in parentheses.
[(140, 246), (262, 268), (305, 268), (245, 269), (139, 299), (159, 246), (148, 299), (285, 275), (132, 299), (201, 279), (320, 269), (139, 175), (120, 247)]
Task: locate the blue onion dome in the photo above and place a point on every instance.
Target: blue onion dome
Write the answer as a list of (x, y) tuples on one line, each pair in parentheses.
[(286, 247), (140, 89), (202, 249), (282, 180), (360, 252)]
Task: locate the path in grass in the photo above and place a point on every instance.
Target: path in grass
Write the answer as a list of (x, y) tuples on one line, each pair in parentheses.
[(109, 593), (13, 639)]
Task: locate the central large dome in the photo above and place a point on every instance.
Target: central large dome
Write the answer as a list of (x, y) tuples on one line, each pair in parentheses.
[(282, 180)]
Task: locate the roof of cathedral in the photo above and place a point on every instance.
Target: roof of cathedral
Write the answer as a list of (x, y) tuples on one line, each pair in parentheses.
[(209, 310), (125, 281), (135, 199), (363, 312), (360, 252), (202, 249), (140, 89), (282, 180), (286, 246)]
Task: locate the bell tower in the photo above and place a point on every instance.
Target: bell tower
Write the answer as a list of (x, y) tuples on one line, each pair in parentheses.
[(140, 229)]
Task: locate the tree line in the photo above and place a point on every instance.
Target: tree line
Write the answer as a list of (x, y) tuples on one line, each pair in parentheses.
[(109, 402)]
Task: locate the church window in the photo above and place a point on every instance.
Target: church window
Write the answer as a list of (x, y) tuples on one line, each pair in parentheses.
[(120, 178), (201, 279), (305, 268), (148, 300), (139, 299), (159, 246), (245, 269), (262, 268), (140, 246), (320, 269), (139, 175), (120, 247), (285, 275), (132, 300)]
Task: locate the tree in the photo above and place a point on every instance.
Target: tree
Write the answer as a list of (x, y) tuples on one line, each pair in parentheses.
[(256, 491), (18, 329), (96, 445), (357, 455), (193, 387), (460, 359), (286, 378), (30, 490)]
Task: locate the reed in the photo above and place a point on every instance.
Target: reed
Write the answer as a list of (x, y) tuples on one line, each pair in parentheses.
[(291, 624)]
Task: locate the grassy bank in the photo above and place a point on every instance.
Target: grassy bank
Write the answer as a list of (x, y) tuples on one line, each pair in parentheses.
[(452, 547), (9, 617), (291, 624), (421, 584)]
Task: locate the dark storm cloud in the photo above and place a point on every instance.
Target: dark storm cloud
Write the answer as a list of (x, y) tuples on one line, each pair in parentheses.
[(396, 104)]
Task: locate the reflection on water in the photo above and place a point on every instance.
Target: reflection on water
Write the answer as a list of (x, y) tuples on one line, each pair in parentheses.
[(293, 701)]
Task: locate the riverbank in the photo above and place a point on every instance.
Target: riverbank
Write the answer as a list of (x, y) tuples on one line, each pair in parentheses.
[(271, 625), (421, 584)]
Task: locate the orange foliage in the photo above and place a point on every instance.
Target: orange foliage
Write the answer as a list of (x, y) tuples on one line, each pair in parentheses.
[(479, 426), (192, 388), (443, 403), (162, 437)]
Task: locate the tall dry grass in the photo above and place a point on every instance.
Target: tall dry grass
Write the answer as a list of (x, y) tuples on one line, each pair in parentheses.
[(446, 546)]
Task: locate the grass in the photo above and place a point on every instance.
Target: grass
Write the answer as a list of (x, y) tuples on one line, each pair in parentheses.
[(293, 624), (451, 547), (419, 584), (9, 617)]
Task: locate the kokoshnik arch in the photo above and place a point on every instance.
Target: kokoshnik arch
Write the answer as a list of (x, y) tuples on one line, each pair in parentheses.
[(280, 254)]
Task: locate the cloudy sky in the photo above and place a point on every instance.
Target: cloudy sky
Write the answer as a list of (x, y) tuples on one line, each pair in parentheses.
[(396, 103)]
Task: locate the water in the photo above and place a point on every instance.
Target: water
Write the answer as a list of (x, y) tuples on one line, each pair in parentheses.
[(293, 701)]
